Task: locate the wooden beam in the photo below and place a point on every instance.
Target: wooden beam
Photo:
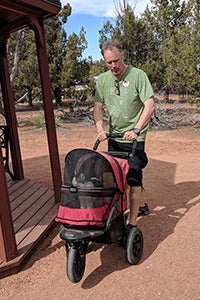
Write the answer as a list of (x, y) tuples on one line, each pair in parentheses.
[(19, 8), (11, 27), (24, 8), (8, 248), (38, 27), (30, 7), (10, 114), (52, 6)]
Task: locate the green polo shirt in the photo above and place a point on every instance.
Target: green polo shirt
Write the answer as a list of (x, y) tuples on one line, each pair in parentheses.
[(124, 109)]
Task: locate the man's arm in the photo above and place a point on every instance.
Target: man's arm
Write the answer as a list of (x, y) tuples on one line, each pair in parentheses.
[(149, 108), (98, 119)]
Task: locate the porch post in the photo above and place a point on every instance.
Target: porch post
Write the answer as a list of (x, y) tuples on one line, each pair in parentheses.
[(10, 114), (8, 248), (38, 27)]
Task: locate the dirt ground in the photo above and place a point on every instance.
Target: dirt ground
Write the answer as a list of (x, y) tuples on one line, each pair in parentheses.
[(170, 265)]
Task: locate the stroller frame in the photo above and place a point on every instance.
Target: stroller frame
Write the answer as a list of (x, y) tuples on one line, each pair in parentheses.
[(112, 229)]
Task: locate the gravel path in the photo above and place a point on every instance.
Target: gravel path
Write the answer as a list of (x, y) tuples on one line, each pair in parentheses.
[(170, 265)]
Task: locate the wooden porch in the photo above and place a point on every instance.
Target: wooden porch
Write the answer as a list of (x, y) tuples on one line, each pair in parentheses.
[(27, 209), (33, 210)]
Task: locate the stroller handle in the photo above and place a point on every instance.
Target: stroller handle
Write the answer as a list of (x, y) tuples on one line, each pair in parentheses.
[(117, 135), (108, 135)]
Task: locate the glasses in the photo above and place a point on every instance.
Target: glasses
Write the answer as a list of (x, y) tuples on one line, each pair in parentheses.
[(117, 90)]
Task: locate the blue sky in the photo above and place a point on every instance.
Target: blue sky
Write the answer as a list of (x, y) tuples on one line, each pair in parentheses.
[(92, 14)]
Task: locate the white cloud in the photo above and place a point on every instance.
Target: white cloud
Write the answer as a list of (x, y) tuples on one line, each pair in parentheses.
[(96, 7)]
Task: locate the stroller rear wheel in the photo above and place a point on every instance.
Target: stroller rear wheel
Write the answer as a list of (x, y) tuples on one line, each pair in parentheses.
[(134, 246), (76, 257)]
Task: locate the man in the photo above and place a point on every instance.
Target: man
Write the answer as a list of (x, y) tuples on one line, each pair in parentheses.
[(128, 97)]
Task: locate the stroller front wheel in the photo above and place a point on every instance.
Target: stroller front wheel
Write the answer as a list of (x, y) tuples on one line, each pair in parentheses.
[(134, 246), (76, 257)]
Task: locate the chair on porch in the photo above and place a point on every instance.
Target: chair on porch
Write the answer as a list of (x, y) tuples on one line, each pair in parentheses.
[(4, 144)]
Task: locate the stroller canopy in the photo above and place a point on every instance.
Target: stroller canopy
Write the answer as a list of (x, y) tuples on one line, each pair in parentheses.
[(93, 182), (85, 168)]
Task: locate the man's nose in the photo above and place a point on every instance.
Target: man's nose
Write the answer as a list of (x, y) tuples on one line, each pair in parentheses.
[(113, 64)]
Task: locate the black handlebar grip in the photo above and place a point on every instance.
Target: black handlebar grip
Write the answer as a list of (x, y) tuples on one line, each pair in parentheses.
[(108, 135), (96, 144), (116, 135)]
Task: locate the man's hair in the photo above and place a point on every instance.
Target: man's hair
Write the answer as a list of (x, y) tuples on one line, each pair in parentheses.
[(110, 44)]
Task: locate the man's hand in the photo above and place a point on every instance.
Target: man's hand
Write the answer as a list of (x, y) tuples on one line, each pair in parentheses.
[(130, 135), (102, 136)]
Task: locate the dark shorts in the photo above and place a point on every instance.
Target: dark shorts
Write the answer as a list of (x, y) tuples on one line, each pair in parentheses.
[(137, 163)]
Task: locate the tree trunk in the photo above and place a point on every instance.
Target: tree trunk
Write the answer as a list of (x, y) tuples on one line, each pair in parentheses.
[(57, 94), (20, 40), (30, 98)]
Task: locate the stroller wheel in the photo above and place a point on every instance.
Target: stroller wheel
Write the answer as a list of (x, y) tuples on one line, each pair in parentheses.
[(76, 257), (134, 246)]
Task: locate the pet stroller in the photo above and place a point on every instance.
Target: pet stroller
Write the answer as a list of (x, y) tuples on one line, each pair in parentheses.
[(93, 202)]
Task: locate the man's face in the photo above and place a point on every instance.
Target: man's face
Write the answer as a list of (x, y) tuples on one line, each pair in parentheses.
[(115, 61)]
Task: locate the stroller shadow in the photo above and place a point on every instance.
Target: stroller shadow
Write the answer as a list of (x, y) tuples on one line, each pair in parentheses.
[(112, 259), (168, 203)]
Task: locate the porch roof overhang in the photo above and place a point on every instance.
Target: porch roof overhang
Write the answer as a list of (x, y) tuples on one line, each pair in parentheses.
[(13, 14)]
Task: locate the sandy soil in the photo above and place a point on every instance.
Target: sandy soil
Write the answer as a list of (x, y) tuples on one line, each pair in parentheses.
[(170, 265)]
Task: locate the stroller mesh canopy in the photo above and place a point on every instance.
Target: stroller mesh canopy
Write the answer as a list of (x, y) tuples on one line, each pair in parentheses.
[(86, 169), (83, 199), (92, 184)]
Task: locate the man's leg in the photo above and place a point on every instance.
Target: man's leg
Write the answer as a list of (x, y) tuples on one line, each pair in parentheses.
[(143, 206), (135, 198)]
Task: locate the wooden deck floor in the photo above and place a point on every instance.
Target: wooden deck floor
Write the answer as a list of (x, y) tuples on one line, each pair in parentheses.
[(33, 211)]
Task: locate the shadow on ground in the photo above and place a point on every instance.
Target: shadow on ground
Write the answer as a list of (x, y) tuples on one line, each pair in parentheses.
[(168, 202)]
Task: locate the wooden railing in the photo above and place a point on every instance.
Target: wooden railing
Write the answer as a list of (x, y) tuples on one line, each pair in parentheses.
[(4, 144)]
